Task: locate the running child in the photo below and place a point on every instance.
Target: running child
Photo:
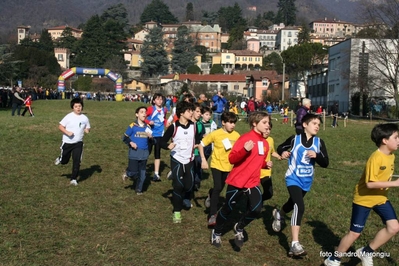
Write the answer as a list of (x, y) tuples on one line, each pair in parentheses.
[(184, 138), (248, 157), (156, 118), (371, 193), (136, 137), (303, 151), (28, 106), (73, 126), (223, 140)]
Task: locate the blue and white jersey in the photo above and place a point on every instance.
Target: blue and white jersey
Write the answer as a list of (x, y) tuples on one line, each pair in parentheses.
[(158, 116), (300, 167)]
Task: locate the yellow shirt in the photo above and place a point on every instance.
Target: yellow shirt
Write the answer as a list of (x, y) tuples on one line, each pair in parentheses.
[(379, 167), (220, 156), (268, 172)]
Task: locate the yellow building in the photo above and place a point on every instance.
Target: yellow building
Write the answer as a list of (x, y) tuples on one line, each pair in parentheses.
[(56, 32), (137, 85)]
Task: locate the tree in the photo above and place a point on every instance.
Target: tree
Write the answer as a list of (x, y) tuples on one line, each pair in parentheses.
[(183, 53), (287, 11), (367, 33), (217, 69), (67, 40), (119, 14), (273, 62), (303, 59), (189, 12), (45, 41), (154, 55), (383, 50), (304, 34), (92, 50), (194, 69), (231, 17), (209, 18), (159, 12)]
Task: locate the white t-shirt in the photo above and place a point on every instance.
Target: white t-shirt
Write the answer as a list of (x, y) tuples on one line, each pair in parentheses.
[(76, 124), (243, 104)]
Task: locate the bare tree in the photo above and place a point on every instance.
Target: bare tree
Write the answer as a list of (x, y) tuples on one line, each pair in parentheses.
[(383, 51)]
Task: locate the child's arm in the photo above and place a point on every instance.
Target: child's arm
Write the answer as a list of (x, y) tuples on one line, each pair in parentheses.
[(240, 151), (64, 131), (382, 184), (149, 114), (321, 157), (276, 155), (204, 162), (166, 137), (284, 149)]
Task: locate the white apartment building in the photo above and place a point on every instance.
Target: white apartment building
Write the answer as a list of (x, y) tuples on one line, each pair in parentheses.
[(287, 37), (344, 72)]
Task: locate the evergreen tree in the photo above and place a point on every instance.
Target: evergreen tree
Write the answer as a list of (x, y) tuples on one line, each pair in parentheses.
[(304, 34), (183, 53), (287, 10), (209, 18), (189, 12), (273, 62), (67, 40), (154, 55), (45, 41), (93, 47), (216, 69), (159, 12), (117, 13), (231, 17)]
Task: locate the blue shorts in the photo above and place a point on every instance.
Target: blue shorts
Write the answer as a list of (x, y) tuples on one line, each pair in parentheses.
[(361, 213)]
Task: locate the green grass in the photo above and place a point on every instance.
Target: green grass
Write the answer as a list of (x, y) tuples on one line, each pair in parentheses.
[(44, 221)]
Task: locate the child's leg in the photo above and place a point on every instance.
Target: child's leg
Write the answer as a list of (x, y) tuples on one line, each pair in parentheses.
[(77, 153), (219, 179), (141, 172), (388, 216), (66, 151), (296, 194), (132, 169), (30, 111), (233, 194), (157, 158), (267, 186), (254, 206)]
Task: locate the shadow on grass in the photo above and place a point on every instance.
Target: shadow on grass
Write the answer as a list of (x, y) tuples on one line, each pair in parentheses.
[(86, 173)]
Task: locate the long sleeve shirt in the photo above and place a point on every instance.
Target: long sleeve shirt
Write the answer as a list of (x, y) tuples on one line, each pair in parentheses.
[(247, 164)]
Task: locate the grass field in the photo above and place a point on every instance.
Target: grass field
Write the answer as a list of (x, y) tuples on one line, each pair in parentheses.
[(44, 221)]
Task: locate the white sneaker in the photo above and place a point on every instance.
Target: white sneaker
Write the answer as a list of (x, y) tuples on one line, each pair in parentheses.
[(215, 239), (329, 262), (208, 201), (57, 161), (124, 177), (73, 182), (297, 250), (366, 258), (278, 220)]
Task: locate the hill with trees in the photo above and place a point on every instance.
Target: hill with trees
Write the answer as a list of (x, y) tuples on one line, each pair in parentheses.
[(50, 13)]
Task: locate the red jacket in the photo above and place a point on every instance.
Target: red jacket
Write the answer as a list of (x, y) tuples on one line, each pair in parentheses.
[(28, 101), (247, 164), (251, 105)]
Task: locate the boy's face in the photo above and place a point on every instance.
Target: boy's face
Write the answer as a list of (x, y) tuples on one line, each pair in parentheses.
[(77, 108), (392, 142), (188, 114), (197, 114), (312, 127), (158, 101), (228, 126), (267, 133), (206, 117), (262, 125), (141, 115)]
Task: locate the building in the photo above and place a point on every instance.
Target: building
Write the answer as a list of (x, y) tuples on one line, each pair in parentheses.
[(355, 65), (333, 27), (62, 55), (238, 59), (56, 32), (287, 37), (23, 32)]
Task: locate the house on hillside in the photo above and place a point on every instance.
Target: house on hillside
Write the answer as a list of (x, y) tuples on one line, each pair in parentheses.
[(238, 59), (287, 37), (56, 32)]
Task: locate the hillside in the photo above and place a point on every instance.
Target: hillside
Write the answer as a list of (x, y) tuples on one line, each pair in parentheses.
[(41, 14)]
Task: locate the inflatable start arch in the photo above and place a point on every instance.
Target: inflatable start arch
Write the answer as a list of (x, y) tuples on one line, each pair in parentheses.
[(92, 71)]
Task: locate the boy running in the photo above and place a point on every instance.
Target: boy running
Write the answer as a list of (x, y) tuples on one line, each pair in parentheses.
[(371, 193), (136, 138), (248, 157), (303, 152), (223, 140), (73, 126), (184, 138)]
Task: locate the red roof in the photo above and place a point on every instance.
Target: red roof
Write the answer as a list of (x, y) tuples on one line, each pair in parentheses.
[(63, 28)]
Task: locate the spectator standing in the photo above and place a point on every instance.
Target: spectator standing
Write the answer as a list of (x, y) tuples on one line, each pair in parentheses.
[(218, 107), (302, 111), (17, 102), (334, 113)]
